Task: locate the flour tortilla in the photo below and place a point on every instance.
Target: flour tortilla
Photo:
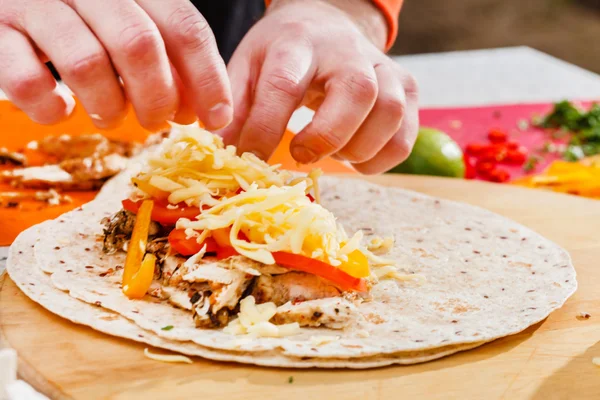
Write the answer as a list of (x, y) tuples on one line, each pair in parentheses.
[(486, 277), (25, 272)]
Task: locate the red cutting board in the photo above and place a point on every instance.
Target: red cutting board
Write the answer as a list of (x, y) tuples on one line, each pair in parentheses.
[(472, 125)]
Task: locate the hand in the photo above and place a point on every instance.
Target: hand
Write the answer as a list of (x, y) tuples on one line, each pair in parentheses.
[(309, 52), (157, 48)]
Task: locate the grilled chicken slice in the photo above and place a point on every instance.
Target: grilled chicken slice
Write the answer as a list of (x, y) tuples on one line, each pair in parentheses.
[(12, 157), (334, 313), (294, 287), (118, 229), (66, 146), (225, 287), (94, 168)]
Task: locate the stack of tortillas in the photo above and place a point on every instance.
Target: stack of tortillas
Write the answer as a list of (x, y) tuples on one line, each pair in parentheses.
[(482, 277)]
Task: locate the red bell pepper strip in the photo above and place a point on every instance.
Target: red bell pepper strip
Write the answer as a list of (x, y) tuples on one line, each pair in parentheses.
[(310, 265), (190, 246), (161, 213)]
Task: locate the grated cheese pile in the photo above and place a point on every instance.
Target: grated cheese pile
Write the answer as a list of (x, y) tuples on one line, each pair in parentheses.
[(272, 211), (278, 219), (253, 319), (195, 167), (168, 358)]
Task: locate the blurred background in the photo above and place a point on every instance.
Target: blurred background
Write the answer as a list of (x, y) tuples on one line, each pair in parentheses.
[(568, 29)]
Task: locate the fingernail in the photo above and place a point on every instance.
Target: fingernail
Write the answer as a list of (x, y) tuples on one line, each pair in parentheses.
[(67, 97), (219, 116), (304, 155)]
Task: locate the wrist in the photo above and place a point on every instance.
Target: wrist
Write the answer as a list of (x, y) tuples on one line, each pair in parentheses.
[(366, 16)]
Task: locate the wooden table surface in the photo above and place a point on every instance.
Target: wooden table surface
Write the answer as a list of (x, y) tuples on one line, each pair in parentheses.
[(551, 360)]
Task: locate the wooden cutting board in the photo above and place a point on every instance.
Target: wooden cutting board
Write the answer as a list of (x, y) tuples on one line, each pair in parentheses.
[(551, 360)]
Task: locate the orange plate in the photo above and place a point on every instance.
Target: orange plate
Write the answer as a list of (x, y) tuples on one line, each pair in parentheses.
[(16, 130)]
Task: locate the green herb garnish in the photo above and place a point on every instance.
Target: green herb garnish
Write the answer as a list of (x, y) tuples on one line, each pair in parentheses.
[(291, 379), (582, 128), (531, 163), (166, 328), (573, 153)]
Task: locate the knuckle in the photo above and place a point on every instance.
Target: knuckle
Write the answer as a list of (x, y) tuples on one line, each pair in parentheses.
[(411, 86), (285, 83), (86, 66), (393, 106), (357, 156), (266, 130), (328, 138), (190, 29), (401, 149), (138, 41), (25, 88), (160, 106), (361, 85), (295, 29)]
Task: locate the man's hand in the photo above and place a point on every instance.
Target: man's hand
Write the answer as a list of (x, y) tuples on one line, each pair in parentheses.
[(323, 54), (157, 48)]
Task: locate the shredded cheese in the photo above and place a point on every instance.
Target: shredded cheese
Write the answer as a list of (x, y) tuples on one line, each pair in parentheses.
[(277, 219), (272, 210), (195, 167), (363, 333), (253, 319), (391, 272), (169, 358), (321, 340), (377, 243)]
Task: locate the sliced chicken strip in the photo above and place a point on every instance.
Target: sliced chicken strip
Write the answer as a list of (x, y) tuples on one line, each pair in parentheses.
[(334, 313), (294, 287)]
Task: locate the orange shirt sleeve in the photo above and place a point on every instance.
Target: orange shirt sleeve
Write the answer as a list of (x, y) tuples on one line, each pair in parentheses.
[(391, 11)]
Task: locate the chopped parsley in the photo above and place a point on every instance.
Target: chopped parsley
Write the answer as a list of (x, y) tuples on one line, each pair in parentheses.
[(531, 163), (291, 379), (581, 127), (166, 328)]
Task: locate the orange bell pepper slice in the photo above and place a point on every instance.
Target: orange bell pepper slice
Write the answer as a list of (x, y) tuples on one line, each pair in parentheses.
[(140, 282), (138, 242)]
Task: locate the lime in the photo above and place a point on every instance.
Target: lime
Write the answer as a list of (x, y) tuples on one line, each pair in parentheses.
[(434, 153)]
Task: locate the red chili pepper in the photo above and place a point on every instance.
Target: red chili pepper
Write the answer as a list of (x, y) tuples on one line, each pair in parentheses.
[(515, 157), (470, 172), (497, 136), (312, 199), (474, 149), (512, 145), (499, 175), (484, 168), (493, 152)]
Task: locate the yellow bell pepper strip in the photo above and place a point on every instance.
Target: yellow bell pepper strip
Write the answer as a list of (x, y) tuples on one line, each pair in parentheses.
[(357, 265), (138, 242), (140, 282)]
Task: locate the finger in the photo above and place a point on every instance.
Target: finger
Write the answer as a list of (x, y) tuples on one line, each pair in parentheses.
[(80, 59), (28, 83), (193, 50), (284, 78), (242, 71), (138, 54), (349, 97), (185, 113), (400, 146), (384, 120)]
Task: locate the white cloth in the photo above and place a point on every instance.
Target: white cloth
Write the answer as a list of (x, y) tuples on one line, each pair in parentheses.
[(10, 387)]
